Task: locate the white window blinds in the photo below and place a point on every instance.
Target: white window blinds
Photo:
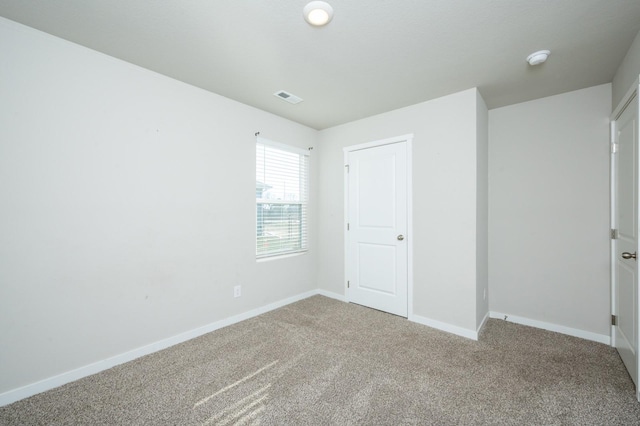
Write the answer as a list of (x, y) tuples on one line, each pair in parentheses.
[(282, 186)]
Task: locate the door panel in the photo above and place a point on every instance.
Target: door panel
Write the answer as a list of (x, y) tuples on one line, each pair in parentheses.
[(626, 179), (625, 214), (377, 268), (376, 259), (375, 202)]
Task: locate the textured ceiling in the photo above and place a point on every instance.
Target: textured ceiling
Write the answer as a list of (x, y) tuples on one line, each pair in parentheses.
[(374, 56)]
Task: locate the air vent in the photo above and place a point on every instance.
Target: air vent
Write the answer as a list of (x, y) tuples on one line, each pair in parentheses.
[(289, 97)]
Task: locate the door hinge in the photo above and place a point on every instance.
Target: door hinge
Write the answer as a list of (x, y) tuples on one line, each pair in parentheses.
[(614, 148), (347, 226), (347, 166), (348, 284), (614, 234), (614, 320)]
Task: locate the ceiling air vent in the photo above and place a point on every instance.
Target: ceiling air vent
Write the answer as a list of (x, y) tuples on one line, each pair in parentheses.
[(289, 97)]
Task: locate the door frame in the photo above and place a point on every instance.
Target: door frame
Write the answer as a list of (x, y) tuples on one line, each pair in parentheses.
[(408, 140), (631, 96)]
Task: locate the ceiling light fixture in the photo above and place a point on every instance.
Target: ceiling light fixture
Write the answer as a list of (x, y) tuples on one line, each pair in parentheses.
[(318, 13), (538, 57)]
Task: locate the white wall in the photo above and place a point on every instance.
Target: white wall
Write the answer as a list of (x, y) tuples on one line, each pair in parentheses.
[(627, 72), (126, 207), (444, 202), (549, 209), (482, 211)]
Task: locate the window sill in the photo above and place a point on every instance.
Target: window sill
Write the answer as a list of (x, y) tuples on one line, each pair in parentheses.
[(280, 256)]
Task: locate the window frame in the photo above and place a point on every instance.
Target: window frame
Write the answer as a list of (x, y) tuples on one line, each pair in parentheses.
[(303, 203)]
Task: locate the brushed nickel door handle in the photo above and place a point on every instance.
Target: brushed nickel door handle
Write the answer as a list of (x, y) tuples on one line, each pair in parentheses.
[(400, 237)]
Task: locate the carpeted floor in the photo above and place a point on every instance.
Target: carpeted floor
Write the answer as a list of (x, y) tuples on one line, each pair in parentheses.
[(324, 362)]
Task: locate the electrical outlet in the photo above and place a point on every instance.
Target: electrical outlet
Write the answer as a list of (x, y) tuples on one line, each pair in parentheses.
[(237, 291)]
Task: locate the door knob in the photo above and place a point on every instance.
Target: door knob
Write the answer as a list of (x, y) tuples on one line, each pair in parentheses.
[(627, 255), (401, 237)]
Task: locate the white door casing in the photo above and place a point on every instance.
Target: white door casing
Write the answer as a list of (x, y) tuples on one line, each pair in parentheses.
[(624, 245), (377, 241)]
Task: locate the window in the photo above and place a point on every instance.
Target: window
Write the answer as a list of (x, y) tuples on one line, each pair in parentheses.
[(281, 198)]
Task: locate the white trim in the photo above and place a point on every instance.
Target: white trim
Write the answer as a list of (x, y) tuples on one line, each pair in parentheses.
[(332, 295), (612, 225), (443, 326), (587, 335), (271, 257), (482, 323), (345, 208), (387, 141), (408, 140), (628, 97), (70, 376)]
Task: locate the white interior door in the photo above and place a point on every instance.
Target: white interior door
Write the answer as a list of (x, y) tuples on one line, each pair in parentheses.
[(625, 243), (376, 243)]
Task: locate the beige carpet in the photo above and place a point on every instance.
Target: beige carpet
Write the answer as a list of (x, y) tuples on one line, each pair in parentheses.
[(323, 362)]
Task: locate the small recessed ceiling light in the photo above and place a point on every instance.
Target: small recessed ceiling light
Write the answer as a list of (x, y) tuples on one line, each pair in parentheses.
[(318, 13), (538, 57)]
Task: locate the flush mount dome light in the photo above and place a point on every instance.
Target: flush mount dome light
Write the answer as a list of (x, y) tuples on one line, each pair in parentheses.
[(318, 13), (538, 57)]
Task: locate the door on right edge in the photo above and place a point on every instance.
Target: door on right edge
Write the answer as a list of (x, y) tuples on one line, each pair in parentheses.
[(625, 246)]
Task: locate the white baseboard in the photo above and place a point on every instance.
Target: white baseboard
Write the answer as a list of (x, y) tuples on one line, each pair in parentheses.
[(469, 334), (587, 335), (443, 326), (87, 370), (332, 295), (70, 376), (482, 323)]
